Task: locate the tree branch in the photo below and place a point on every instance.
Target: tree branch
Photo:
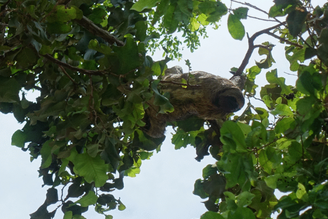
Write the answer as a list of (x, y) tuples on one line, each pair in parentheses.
[(251, 47), (181, 84), (62, 68), (97, 31), (81, 70), (284, 40), (261, 19), (256, 8)]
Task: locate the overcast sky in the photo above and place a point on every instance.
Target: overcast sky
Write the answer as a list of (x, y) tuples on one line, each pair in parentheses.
[(164, 187)]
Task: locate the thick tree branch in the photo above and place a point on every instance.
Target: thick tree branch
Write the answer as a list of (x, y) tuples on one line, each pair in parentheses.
[(97, 31)]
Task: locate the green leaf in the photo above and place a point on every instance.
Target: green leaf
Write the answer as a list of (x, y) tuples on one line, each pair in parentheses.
[(309, 83), (128, 56), (301, 191), (284, 125), (209, 170), (68, 215), (58, 28), (63, 14), (199, 189), (296, 21), (104, 49), (141, 27), (282, 110), (272, 78), (121, 206), (211, 215), (144, 4), (89, 199), (244, 199), (146, 143), (215, 185), (169, 21), (207, 7), (220, 10), (257, 136), (194, 24), (243, 213), (271, 181), (98, 15), (46, 153), (305, 105), (161, 100), (26, 58), (191, 124), (235, 27), (236, 167), (241, 12), (231, 130), (52, 196), (92, 169), (18, 138), (269, 159), (295, 152)]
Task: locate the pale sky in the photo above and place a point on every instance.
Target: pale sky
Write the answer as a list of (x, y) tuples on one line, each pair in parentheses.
[(164, 187)]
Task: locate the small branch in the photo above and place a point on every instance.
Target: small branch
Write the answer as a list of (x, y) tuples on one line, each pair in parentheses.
[(264, 47), (261, 19), (256, 8), (284, 40), (290, 74), (62, 68), (97, 31), (180, 84), (93, 114), (251, 47), (83, 71)]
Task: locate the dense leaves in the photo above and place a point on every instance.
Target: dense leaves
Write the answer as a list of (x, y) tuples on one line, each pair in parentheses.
[(89, 64)]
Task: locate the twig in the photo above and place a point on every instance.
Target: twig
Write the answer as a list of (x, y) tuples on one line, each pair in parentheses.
[(93, 113), (81, 70), (284, 40), (259, 9), (264, 47), (261, 19), (290, 74), (62, 68), (180, 84), (97, 31)]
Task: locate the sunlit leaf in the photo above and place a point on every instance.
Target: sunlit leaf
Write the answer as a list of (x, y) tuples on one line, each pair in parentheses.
[(235, 27), (211, 215), (92, 169), (144, 4), (88, 199)]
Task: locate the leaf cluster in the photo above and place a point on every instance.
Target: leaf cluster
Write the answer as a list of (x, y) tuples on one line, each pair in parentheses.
[(87, 62), (282, 146)]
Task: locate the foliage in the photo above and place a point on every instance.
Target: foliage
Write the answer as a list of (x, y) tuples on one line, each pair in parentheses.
[(88, 61)]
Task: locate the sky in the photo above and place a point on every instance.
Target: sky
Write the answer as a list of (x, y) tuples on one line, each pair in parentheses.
[(163, 189)]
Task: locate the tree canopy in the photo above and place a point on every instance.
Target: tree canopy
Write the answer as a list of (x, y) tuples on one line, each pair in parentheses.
[(90, 64)]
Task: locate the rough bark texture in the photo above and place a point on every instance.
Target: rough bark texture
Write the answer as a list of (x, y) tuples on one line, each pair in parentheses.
[(205, 95)]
